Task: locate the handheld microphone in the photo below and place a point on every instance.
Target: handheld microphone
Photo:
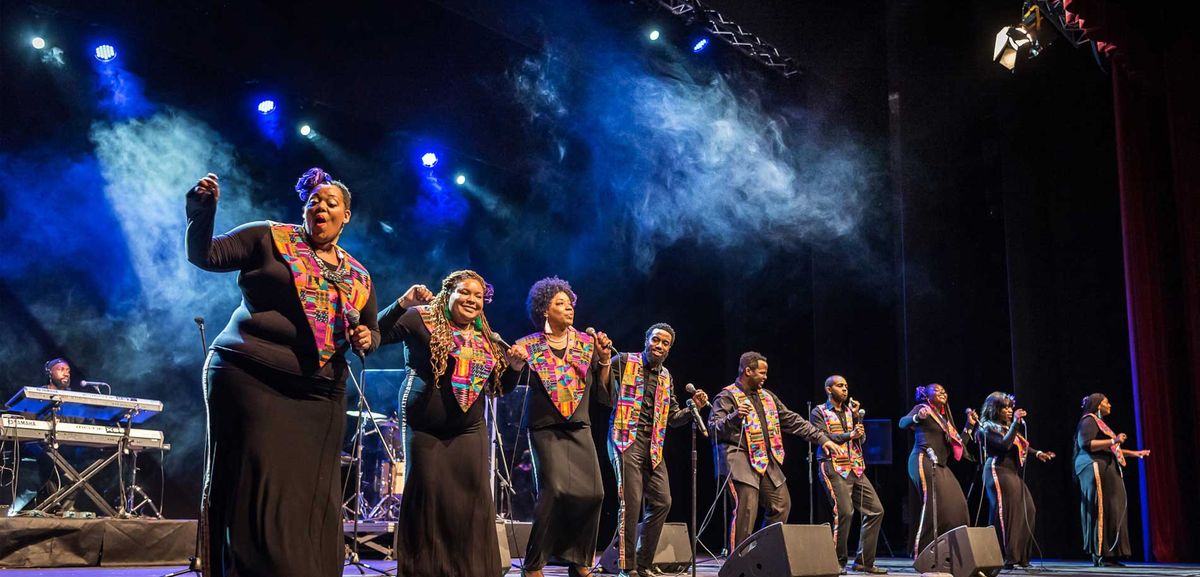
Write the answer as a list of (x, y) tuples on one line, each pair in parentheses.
[(932, 456), (592, 333), (496, 338), (691, 390), (354, 317)]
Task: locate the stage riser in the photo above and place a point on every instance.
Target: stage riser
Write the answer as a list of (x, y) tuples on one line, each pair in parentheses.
[(54, 542)]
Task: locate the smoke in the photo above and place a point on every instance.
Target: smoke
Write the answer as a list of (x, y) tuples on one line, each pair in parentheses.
[(684, 155)]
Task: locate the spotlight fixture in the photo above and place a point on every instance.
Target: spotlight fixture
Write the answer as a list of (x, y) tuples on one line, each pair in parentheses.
[(105, 53), (1015, 44), (460, 179), (655, 35), (429, 160), (306, 130), (38, 42), (266, 107), (700, 45)]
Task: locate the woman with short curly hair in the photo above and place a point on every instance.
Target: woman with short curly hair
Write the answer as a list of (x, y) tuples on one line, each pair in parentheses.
[(565, 369), (447, 517)]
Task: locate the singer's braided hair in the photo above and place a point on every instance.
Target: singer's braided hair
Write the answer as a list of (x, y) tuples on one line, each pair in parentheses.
[(440, 338)]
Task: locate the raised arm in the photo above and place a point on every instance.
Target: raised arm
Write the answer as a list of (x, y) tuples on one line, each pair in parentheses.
[(794, 424), (231, 251)]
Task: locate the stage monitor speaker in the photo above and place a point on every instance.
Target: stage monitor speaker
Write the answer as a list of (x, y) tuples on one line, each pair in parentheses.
[(963, 552), (780, 550), (674, 552), (517, 534)]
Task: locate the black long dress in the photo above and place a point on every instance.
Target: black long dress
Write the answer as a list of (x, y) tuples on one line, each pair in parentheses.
[(447, 521), (276, 415), (1011, 509), (1103, 507), (934, 482), (570, 491)]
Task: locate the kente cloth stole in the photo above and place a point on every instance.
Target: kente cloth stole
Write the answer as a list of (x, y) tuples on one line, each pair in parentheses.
[(956, 442), (1104, 428), (323, 300), (564, 379), (473, 361), (853, 462), (753, 429), (629, 407), (1019, 441)]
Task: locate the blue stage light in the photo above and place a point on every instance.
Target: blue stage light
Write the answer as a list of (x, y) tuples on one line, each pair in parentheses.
[(38, 42), (266, 107), (105, 53), (655, 34), (700, 45), (460, 180), (429, 160)]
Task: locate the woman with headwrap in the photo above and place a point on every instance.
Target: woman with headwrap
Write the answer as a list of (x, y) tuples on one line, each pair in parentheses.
[(1099, 467), (447, 522)]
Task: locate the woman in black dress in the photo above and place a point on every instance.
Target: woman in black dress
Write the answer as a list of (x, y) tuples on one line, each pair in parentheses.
[(566, 368), (935, 442), (1099, 466), (1005, 448), (276, 378), (447, 524)]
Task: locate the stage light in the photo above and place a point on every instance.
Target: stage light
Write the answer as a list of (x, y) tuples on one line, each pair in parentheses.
[(1015, 44), (429, 160), (460, 179), (655, 35), (700, 45), (105, 53), (38, 42), (306, 130), (266, 107)]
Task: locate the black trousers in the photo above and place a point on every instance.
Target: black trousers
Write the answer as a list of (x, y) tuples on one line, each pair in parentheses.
[(748, 499), (1104, 510), (847, 494), (644, 491), (1010, 509), (938, 487)]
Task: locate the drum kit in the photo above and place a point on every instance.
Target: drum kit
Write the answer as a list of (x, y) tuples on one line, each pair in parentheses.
[(382, 454)]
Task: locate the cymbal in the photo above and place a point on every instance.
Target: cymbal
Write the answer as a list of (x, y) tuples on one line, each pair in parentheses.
[(369, 415)]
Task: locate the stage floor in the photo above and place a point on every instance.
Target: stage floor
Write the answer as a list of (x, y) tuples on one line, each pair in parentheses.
[(708, 568)]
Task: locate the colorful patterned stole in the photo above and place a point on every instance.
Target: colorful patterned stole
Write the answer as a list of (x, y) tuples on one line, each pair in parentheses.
[(854, 461), (322, 299), (629, 407), (1104, 428), (473, 361), (1019, 441), (956, 442), (565, 378), (753, 429)]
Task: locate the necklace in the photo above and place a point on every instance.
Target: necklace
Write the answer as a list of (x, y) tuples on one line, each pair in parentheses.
[(331, 274), (558, 342)]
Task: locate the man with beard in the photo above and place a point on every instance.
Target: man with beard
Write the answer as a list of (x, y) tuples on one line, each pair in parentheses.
[(748, 423), (58, 377), (843, 476), (643, 406)]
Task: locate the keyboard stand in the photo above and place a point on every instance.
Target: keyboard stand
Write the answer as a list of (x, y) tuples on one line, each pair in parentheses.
[(80, 479)]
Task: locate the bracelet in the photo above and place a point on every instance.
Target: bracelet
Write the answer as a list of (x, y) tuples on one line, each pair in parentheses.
[(609, 363)]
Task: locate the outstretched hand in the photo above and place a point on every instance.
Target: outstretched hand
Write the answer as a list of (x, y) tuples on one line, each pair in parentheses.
[(834, 449)]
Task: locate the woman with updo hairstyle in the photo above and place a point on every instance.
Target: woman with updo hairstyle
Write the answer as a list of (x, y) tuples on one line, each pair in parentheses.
[(1099, 468), (447, 519), (935, 442), (276, 382), (565, 369), (1001, 436)]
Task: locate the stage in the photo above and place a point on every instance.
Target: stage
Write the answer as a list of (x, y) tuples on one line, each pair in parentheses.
[(709, 568)]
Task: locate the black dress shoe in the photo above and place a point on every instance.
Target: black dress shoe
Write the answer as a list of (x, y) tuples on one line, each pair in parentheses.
[(1110, 562), (650, 572)]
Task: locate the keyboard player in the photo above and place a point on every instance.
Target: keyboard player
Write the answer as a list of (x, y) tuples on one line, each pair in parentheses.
[(58, 377)]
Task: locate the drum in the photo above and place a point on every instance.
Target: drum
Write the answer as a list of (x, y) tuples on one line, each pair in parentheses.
[(390, 478)]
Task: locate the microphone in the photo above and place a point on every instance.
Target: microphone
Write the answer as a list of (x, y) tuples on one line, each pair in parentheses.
[(592, 333), (932, 456), (199, 321), (691, 390), (96, 385), (496, 338), (354, 317)]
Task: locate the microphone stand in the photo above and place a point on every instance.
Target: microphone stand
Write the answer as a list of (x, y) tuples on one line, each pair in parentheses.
[(695, 535), (812, 502), (194, 562), (353, 559)]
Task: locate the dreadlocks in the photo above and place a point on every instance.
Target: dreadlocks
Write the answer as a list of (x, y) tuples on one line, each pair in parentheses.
[(441, 339)]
